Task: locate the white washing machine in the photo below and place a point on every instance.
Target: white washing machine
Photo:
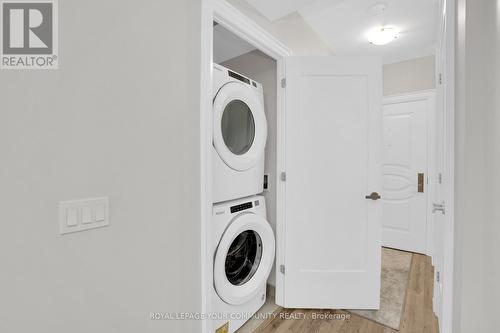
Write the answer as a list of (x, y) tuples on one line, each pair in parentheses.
[(239, 135), (243, 245)]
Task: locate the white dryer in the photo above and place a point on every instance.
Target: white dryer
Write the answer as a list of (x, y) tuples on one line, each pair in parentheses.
[(243, 246), (239, 135)]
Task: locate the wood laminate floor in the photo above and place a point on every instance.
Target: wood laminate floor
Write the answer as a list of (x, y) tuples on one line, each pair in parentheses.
[(418, 316)]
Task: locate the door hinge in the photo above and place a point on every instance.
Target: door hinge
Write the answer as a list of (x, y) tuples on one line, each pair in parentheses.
[(440, 78), (439, 207), (440, 178), (282, 269), (283, 83), (438, 276), (283, 176)]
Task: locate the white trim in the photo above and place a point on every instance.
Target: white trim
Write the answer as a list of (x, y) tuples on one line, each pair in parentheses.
[(409, 96), (206, 54), (243, 27), (446, 322), (430, 96), (280, 187), (233, 20)]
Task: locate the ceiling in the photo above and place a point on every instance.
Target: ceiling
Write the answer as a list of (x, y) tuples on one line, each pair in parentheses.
[(343, 24), (276, 9)]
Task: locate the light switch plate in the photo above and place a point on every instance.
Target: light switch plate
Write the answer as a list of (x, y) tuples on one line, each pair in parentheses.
[(72, 216), (87, 214), (84, 214), (100, 212)]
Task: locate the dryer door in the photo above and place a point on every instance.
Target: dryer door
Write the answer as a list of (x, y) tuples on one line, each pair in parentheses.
[(243, 259), (240, 127)]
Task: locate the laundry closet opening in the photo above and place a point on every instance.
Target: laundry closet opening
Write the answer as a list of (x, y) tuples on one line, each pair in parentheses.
[(305, 157), (245, 123)]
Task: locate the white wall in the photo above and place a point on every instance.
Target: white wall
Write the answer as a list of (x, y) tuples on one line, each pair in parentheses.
[(477, 239), (410, 76), (262, 68), (291, 30), (120, 118), (492, 172)]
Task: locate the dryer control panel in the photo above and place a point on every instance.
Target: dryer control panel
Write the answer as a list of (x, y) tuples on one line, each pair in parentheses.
[(241, 78), (240, 207)]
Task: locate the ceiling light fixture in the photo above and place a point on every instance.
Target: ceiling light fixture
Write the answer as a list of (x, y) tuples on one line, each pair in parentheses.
[(382, 35)]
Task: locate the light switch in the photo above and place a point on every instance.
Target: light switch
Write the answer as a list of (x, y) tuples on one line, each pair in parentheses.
[(87, 214), (100, 212), (79, 215), (72, 216)]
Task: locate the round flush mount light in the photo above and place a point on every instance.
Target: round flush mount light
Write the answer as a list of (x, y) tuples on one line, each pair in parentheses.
[(382, 35), (377, 9)]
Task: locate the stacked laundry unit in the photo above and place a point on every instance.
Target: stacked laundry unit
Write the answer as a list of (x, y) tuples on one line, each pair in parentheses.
[(243, 241)]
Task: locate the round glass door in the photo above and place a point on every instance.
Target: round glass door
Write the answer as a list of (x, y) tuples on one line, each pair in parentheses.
[(243, 257), (238, 127)]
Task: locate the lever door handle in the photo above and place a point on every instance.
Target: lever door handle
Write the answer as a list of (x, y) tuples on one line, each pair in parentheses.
[(373, 196)]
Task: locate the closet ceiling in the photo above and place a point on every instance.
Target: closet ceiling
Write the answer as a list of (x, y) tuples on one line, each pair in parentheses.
[(227, 45)]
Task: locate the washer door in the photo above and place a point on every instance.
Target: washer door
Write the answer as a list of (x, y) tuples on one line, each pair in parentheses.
[(243, 259), (240, 127)]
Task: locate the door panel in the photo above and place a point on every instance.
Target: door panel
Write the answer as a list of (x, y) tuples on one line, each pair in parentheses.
[(404, 205), (332, 233)]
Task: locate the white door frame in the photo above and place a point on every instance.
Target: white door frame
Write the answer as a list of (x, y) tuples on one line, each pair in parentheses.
[(448, 13), (233, 20), (430, 96), (245, 28)]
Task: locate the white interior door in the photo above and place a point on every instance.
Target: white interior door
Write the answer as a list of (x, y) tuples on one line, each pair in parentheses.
[(330, 235), (405, 171)]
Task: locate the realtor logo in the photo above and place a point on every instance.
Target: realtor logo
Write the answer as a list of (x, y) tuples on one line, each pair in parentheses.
[(29, 34)]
